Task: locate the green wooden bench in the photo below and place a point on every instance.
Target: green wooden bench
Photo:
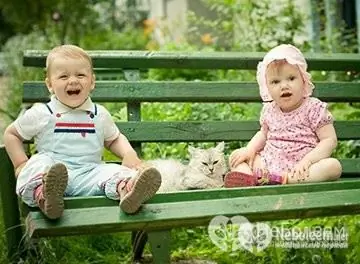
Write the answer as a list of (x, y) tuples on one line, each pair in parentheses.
[(88, 215)]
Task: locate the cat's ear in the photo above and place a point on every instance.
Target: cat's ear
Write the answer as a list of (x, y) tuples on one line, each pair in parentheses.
[(220, 147), (191, 150)]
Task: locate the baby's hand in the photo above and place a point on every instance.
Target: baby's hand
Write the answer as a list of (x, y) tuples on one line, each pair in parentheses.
[(131, 160), (241, 155), (301, 170)]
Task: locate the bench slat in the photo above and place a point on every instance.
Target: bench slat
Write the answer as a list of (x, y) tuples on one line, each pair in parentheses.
[(194, 213), (351, 167), (196, 60), (209, 131), (201, 131), (123, 91)]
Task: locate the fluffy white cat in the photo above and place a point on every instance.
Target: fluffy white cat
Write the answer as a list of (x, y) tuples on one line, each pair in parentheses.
[(206, 169)]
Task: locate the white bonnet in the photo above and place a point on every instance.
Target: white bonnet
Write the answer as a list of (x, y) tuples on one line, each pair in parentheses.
[(293, 56)]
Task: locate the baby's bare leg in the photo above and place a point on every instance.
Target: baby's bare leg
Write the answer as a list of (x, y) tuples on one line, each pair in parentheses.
[(245, 167), (328, 169), (241, 176)]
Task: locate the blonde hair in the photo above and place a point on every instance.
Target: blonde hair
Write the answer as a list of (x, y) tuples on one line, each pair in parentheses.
[(67, 51), (275, 65)]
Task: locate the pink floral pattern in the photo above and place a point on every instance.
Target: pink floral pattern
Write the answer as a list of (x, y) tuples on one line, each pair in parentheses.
[(290, 136)]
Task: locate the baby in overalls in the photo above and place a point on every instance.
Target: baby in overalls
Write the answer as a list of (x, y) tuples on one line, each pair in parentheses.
[(70, 133)]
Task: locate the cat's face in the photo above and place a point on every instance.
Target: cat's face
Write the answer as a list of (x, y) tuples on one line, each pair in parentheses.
[(210, 162)]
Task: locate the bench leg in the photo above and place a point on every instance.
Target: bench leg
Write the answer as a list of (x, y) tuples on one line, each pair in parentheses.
[(138, 239), (11, 214), (160, 246)]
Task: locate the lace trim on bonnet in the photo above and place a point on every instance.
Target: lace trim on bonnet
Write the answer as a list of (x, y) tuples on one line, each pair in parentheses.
[(293, 56)]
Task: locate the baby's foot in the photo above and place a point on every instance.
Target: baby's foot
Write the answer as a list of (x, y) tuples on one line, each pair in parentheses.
[(142, 187), (54, 185), (266, 178)]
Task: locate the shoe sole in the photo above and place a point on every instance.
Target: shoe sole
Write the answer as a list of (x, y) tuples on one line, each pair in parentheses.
[(55, 183), (238, 179), (144, 188)]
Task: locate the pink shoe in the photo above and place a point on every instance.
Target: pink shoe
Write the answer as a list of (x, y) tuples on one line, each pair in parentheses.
[(269, 178), (239, 179)]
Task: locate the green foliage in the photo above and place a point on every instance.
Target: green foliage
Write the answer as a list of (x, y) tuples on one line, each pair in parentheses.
[(50, 16), (251, 25), (34, 12), (68, 21), (130, 38), (16, 72), (332, 32)]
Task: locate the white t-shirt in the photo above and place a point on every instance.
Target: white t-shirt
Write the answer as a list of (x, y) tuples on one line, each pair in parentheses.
[(33, 121)]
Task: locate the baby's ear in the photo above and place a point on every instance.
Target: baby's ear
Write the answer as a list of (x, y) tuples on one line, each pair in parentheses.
[(191, 150), (220, 147), (93, 80), (48, 85)]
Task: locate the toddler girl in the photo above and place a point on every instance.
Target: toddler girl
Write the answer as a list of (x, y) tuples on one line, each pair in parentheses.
[(297, 135)]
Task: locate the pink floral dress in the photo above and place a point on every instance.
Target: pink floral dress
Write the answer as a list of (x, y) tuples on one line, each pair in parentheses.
[(290, 136)]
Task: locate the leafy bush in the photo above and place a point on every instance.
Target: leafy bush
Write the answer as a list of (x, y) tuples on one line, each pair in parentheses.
[(249, 26)]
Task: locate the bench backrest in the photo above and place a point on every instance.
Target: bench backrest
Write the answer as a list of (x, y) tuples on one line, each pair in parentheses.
[(134, 92)]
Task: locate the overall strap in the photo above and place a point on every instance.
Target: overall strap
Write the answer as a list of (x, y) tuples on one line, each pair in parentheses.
[(48, 107)]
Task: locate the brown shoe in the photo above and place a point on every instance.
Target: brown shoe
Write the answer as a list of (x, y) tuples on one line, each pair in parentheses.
[(54, 185), (143, 186)]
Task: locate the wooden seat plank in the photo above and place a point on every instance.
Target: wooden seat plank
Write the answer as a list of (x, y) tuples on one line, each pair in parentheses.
[(159, 216), (198, 195)]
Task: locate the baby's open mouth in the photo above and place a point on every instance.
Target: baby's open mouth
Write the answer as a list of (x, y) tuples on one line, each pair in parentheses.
[(73, 92), (287, 94)]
